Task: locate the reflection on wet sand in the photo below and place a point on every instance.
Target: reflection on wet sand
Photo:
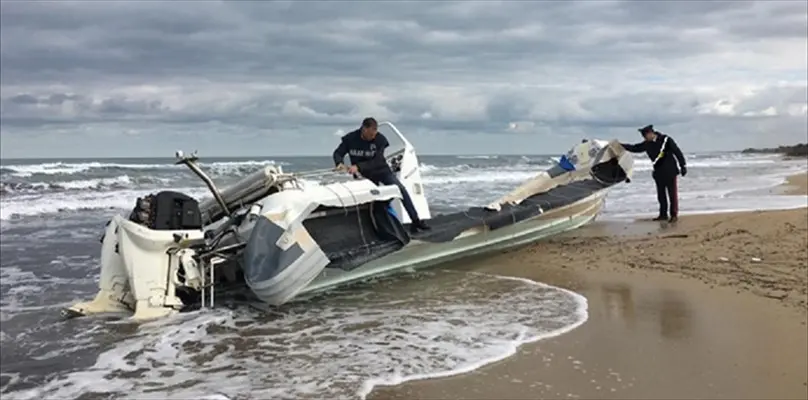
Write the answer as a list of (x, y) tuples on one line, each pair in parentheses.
[(649, 335), (668, 309), (673, 313), (675, 316), (617, 300)]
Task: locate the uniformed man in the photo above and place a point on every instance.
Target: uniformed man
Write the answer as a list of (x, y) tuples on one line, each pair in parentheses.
[(664, 154), (365, 147)]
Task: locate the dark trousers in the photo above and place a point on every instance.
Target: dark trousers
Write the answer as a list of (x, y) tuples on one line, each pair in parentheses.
[(667, 188), (389, 178)]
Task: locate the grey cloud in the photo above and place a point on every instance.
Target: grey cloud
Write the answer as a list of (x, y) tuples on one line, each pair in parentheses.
[(780, 99), (659, 108), (787, 19), (51, 100), (125, 106), (60, 98), (276, 39), (330, 106), (24, 99), (674, 13), (447, 66), (509, 108), (412, 107)]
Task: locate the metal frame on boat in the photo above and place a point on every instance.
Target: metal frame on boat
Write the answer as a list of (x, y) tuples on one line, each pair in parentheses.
[(284, 237)]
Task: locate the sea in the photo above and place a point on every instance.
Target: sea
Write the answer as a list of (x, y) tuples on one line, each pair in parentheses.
[(340, 344)]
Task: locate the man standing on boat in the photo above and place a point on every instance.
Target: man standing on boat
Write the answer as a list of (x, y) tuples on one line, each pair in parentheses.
[(664, 154), (365, 147)]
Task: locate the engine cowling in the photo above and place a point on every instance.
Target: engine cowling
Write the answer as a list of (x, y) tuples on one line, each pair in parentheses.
[(167, 210)]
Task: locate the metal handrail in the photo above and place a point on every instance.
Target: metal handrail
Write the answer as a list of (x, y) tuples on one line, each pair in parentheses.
[(190, 162)]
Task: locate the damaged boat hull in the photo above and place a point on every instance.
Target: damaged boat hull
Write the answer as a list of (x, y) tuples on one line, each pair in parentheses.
[(419, 254), (283, 239)]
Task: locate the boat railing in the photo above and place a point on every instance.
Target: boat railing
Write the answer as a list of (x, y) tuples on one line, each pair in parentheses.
[(192, 162)]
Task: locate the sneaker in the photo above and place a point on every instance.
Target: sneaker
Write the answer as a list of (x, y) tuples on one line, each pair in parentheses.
[(660, 218), (673, 219)]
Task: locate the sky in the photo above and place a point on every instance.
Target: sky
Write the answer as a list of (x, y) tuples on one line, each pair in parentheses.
[(241, 78)]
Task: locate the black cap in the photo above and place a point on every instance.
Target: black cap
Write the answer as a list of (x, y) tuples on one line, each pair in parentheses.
[(646, 129)]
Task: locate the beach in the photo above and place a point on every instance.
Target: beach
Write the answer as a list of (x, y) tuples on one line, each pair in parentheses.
[(711, 307), (665, 318), (796, 184)]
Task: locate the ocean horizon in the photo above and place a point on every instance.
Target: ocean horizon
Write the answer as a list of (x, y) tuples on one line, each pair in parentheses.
[(203, 156)]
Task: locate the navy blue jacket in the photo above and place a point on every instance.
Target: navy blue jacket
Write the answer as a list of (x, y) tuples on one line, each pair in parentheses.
[(666, 167), (367, 155)]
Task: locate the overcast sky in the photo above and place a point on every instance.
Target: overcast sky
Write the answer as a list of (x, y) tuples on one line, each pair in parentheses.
[(239, 78)]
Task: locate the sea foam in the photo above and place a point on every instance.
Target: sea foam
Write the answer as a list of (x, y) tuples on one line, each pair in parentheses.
[(342, 346)]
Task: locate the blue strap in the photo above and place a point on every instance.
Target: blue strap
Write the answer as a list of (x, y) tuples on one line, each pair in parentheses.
[(565, 163), (391, 210)]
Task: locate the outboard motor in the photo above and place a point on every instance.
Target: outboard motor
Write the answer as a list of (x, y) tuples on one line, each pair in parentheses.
[(167, 210)]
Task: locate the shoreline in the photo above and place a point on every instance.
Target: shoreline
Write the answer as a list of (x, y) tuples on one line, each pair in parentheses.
[(792, 185), (796, 184), (713, 306)]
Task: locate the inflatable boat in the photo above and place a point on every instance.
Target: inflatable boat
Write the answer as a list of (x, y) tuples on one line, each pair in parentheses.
[(284, 237)]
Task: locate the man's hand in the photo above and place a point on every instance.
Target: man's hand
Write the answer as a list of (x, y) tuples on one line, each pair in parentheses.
[(353, 169), (340, 167), (684, 170)]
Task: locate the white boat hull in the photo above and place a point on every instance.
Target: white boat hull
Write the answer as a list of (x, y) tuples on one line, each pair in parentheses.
[(419, 255), (288, 239)]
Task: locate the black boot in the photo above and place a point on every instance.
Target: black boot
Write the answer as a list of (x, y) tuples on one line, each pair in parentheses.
[(419, 225), (660, 218)]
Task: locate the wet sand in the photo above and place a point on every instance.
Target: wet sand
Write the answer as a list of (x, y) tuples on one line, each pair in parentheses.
[(711, 307), (796, 184)]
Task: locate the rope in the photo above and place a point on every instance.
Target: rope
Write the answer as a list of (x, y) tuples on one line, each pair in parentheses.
[(358, 217), (338, 198), (356, 208), (314, 172), (365, 243)]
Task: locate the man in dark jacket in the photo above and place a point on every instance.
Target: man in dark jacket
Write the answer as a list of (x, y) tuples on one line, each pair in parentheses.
[(365, 147), (664, 154)]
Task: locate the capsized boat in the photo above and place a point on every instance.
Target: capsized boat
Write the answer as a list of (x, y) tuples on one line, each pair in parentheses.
[(285, 238)]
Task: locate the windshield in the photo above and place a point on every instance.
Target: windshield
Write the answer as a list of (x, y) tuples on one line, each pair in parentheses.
[(396, 144)]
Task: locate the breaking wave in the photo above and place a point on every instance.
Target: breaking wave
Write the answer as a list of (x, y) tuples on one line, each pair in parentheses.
[(458, 181), (65, 168), (393, 331)]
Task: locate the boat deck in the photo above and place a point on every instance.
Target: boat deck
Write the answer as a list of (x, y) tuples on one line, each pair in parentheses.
[(350, 238), (446, 227)]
